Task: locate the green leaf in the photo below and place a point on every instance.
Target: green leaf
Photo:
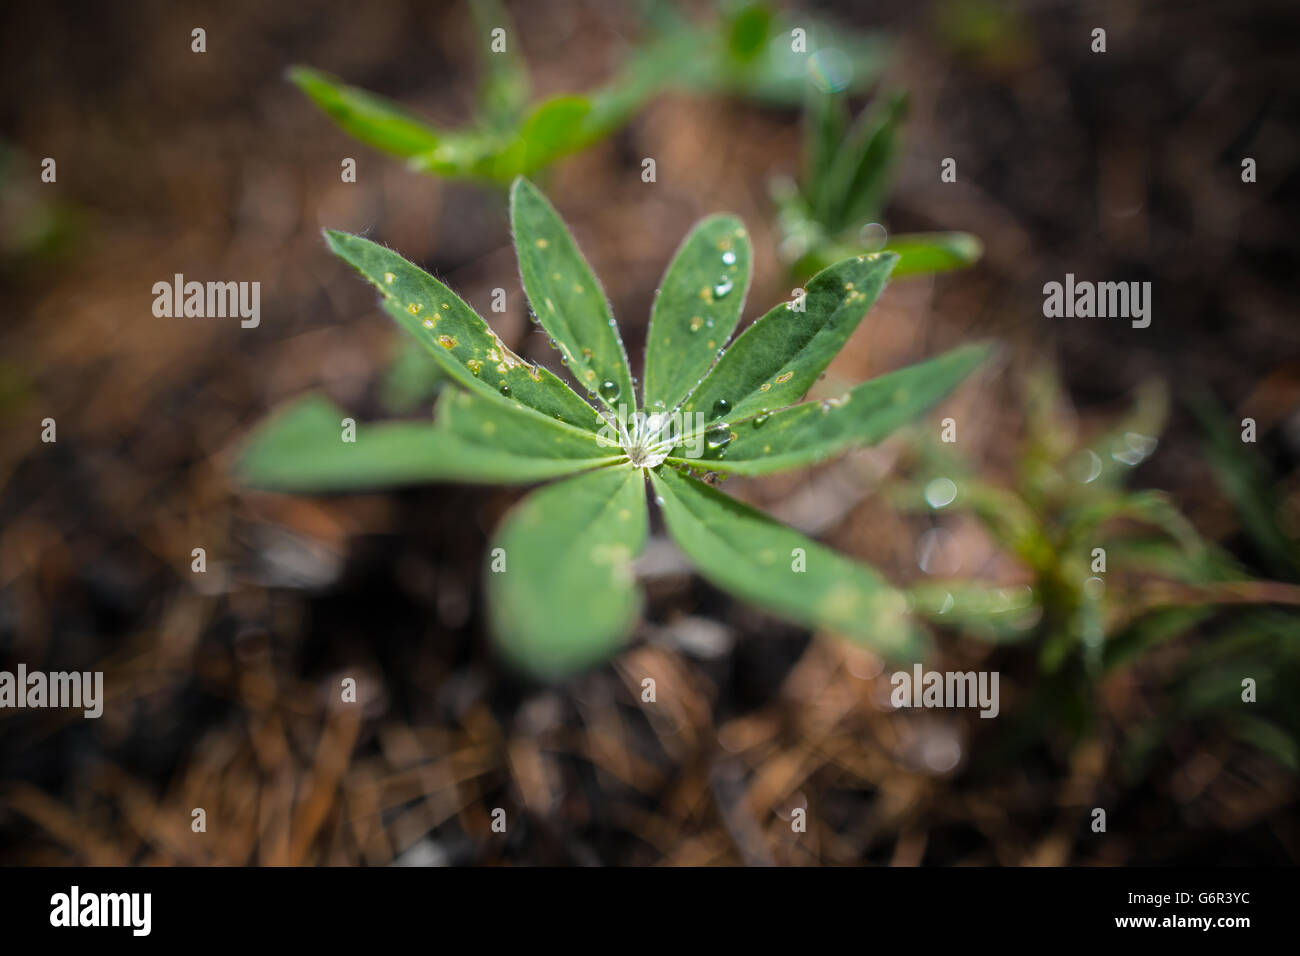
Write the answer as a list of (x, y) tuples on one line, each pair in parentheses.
[(775, 361), (748, 30), (411, 378), (690, 320), (1245, 481), (503, 93), (1152, 507), (777, 73), (924, 253), (567, 298), (370, 118), (1267, 736), (515, 428), (743, 551), (300, 448), (1003, 615), (858, 179), (465, 346), (813, 431), (826, 118), (567, 596), (555, 128), (463, 154)]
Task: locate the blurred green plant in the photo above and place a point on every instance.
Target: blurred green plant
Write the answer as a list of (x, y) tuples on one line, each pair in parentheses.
[(749, 50), (1161, 580), (833, 211), (35, 227), (560, 584), (411, 379)]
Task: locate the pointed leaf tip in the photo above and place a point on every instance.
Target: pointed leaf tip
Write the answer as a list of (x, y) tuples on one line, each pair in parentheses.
[(567, 298), (457, 337), (698, 305)]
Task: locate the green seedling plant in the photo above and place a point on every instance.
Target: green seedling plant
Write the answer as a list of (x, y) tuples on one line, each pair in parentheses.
[(508, 137), (748, 51), (833, 211), (1114, 574), (755, 51), (560, 583)]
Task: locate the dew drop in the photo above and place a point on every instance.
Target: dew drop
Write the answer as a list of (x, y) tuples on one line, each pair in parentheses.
[(718, 436), (761, 417), (608, 390), (504, 389), (728, 258), (722, 287), (941, 492), (873, 236), (720, 408)]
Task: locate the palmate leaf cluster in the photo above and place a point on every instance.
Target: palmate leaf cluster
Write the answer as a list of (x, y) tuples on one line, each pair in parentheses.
[(566, 596)]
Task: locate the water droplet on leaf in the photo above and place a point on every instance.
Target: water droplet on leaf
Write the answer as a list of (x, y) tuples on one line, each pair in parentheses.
[(718, 437)]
